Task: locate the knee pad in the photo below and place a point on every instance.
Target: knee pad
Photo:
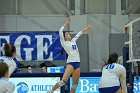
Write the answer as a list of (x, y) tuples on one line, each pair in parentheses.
[(74, 86), (61, 83)]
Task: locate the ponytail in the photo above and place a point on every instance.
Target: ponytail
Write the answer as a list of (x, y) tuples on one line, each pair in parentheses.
[(113, 58), (9, 49)]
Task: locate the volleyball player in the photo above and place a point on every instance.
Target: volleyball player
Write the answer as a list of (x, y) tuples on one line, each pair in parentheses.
[(5, 85), (113, 79), (8, 69), (9, 54), (73, 61)]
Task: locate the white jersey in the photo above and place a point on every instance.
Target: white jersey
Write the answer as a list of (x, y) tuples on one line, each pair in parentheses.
[(113, 75), (6, 86), (10, 62), (70, 46)]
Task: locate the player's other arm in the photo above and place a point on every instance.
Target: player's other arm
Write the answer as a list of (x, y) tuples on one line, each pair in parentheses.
[(68, 20), (83, 31), (123, 79)]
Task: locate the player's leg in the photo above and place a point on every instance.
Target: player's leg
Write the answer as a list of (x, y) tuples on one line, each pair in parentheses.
[(68, 71), (119, 91), (75, 78)]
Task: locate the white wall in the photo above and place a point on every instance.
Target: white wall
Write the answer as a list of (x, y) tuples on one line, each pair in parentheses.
[(96, 6), (118, 23), (103, 26), (31, 23), (7, 7), (42, 6), (41, 23), (7, 23), (112, 6), (78, 23), (98, 40)]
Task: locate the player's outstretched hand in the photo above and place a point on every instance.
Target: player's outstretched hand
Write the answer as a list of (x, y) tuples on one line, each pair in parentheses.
[(68, 21), (90, 26)]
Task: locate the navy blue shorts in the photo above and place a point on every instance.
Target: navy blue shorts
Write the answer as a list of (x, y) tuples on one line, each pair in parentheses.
[(74, 64), (109, 89)]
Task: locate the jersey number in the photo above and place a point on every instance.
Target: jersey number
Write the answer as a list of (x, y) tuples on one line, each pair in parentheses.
[(73, 47), (110, 66)]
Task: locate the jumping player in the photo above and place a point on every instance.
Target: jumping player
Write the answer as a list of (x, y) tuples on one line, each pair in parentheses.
[(73, 61), (5, 85)]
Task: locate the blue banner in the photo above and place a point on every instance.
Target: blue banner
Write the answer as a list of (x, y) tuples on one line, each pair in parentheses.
[(136, 88), (34, 46), (86, 84)]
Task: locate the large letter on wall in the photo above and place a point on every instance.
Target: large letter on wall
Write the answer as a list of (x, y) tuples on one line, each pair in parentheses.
[(42, 46), (4, 39), (27, 51)]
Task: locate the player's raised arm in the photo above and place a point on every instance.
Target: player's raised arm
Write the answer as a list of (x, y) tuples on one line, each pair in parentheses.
[(83, 31), (87, 28), (68, 20)]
